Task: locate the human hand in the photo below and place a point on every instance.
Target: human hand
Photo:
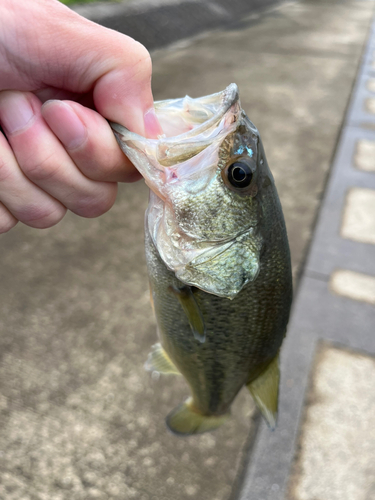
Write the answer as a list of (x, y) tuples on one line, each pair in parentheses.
[(56, 153)]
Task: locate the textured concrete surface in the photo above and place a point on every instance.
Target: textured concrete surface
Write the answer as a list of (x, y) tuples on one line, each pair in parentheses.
[(337, 455), (80, 419), (157, 23)]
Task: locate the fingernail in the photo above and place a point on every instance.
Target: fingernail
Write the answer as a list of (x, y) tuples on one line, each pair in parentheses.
[(152, 126), (64, 123), (15, 112)]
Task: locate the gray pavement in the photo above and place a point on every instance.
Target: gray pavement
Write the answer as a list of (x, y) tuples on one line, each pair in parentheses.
[(156, 23), (80, 419)]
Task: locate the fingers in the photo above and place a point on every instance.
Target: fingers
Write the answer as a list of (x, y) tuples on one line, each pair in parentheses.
[(7, 220), (69, 159), (89, 141), (37, 171), (20, 198)]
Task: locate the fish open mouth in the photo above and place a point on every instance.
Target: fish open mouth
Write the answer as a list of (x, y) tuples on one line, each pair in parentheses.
[(189, 126), (186, 117)]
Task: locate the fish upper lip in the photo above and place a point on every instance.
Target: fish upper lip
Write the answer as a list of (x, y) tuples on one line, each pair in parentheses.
[(229, 96)]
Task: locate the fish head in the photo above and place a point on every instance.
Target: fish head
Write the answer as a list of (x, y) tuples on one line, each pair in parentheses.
[(207, 175)]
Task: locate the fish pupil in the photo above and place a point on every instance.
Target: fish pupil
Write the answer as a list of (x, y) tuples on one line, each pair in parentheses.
[(240, 174)]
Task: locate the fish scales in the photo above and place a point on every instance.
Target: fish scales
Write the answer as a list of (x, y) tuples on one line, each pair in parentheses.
[(218, 260)]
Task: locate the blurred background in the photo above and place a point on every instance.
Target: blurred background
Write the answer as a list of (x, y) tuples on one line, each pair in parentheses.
[(80, 418)]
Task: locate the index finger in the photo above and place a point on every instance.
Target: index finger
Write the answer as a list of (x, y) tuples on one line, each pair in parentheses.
[(89, 141)]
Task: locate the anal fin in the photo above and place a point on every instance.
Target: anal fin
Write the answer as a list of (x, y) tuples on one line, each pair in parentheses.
[(185, 420), (188, 303), (265, 391), (159, 361)]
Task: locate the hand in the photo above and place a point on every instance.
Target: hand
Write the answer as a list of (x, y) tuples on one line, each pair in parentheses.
[(56, 153)]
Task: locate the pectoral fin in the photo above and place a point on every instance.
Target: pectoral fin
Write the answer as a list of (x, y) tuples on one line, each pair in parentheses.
[(265, 391), (185, 420), (188, 303), (159, 361), (226, 269)]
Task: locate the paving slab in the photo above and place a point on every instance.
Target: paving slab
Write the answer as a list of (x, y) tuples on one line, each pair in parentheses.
[(336, 459), (365, 155), (358, 219), (80, 419), (357, 286)]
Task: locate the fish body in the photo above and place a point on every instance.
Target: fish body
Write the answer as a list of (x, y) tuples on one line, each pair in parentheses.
[(217, 255)]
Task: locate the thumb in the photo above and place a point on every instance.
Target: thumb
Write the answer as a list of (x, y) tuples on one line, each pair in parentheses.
[(123, 94), (76, 55), (118, 69)]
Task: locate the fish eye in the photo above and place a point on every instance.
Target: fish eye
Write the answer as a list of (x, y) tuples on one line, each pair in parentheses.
[(239, 174)]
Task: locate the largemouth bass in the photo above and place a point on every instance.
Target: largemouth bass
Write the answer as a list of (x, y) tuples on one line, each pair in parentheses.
[(217, 255)]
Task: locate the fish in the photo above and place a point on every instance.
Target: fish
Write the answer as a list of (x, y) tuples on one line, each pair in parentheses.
[(217, 255)]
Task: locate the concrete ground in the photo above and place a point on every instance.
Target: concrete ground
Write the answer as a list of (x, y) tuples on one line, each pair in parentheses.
[(157, 23), (80, 419)]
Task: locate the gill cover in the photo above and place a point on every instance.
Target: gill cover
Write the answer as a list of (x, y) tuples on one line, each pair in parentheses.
[(203, 225)]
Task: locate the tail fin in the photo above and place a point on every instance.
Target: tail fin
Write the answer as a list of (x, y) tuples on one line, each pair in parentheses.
[(185, 420), (265, 391)]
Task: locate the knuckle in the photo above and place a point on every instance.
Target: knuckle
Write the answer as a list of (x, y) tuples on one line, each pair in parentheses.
[(5, 171), (40, 171), (104, 162), (96, 205), (41, 217), (7, 220), (6, 223)]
